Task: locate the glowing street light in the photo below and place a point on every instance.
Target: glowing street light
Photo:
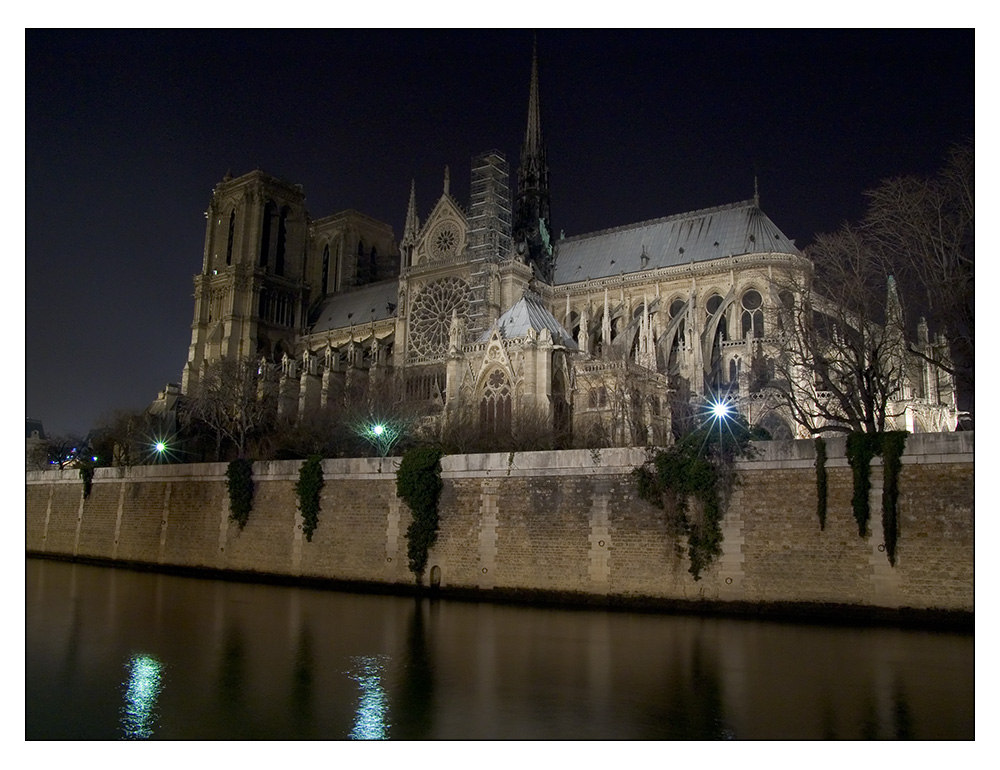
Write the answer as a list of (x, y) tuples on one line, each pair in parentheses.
[(720, 410), (381, 436), (160, 447)]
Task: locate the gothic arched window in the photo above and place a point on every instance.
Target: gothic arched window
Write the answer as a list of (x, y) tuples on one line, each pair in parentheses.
[(229, 243), (279, 256), (787, 307), (495, 404), (711, 308), (326, 269), (337, 262), (265, 234), (753, 314), (714, 367)]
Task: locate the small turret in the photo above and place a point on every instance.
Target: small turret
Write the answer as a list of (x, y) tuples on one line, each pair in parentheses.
[(411, 228)]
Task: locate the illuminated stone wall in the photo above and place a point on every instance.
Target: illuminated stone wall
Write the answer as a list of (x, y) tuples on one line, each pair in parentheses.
[(559, 522)]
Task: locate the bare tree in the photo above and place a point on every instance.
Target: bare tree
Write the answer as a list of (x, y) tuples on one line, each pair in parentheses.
[(319, 431), (839, 363), (61, 450), (237, 399), (122, 438), (925, 227), (376, 412)]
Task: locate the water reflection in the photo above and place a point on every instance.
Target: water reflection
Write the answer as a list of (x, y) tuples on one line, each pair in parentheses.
[(302, 681), (370, 722), (142, 689), (902, 719), (691, 703), (414, 708), (222, 664)]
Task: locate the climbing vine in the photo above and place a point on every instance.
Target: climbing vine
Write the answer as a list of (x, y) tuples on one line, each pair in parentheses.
[(418, 484), (893, 444), (861, 448), (308, 488), (700, 467), (821, 490), (239, 478), (87, 476)]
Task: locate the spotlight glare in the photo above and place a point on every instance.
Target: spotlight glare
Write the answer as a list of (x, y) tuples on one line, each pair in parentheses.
[(160, 446), (378, 430), (720, 409)]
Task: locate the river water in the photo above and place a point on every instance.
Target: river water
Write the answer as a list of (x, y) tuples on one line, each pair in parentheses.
[(116, 654)]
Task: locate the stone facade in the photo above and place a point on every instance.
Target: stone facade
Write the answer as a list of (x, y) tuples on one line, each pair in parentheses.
[(486, 314), (564, 523)]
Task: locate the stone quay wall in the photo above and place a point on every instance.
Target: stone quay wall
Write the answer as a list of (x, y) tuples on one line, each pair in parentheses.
[(565, 524)]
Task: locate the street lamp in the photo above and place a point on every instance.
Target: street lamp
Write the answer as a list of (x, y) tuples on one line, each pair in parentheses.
[(382, 436), (720, 409)]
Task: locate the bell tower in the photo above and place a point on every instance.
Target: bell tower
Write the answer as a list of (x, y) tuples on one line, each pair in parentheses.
[(250, 297), (532, 224)]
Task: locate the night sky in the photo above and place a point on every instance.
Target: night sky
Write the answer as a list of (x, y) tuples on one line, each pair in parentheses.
[(127, 133)]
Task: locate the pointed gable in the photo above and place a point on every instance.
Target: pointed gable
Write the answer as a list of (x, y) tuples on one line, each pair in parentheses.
[(445, 234), (526, 314)]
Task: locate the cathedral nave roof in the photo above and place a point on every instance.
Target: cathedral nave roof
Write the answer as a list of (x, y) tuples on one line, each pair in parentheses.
[(374, 302), (697, 236)]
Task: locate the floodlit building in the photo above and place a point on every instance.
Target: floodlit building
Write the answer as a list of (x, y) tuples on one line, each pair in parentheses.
[(482, 313)]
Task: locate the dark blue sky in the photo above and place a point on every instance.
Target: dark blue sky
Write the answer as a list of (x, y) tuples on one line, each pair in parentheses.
[(128, 132)]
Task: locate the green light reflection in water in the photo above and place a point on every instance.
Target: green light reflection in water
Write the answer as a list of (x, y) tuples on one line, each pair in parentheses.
[(142, 689), (370, 720)]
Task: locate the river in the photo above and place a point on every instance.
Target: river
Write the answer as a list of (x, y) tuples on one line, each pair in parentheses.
[(117, 654)]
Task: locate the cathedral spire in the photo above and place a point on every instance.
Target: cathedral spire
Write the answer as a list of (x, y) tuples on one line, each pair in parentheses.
[(532, 225), (533, 133)]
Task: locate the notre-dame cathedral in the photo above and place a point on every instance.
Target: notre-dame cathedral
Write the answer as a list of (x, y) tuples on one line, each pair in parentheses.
[(483, 313)]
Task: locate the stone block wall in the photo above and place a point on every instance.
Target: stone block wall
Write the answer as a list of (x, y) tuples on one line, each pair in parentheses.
[(558, 522)]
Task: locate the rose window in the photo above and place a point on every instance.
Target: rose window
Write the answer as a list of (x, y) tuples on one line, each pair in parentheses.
[(430, 319), (444, 241)]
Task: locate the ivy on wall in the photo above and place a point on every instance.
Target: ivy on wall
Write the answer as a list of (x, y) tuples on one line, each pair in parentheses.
[(239, 478), (87, 476), (418, 484), (861, 448), (893, 444), (701, 467), (821, 488), (308, 489)]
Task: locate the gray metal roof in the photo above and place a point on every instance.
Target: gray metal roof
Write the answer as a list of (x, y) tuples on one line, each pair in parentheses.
[(529, 313), (698, 236), (360, 306)]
